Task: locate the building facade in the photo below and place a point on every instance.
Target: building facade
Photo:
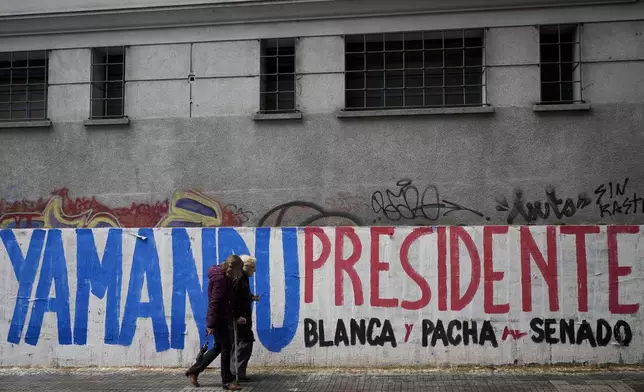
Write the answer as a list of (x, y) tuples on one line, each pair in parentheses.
[(325, 112)]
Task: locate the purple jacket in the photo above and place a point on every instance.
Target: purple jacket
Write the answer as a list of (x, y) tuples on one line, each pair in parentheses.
[(219, 297)]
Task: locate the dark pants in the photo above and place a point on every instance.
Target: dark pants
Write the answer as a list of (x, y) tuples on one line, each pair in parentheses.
[(244, 350), (223, 346)]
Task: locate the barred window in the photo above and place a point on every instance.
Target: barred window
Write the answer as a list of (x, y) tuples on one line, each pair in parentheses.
[(277, 75), (23, 85), (560, 63), (108, 82), (415, 70)]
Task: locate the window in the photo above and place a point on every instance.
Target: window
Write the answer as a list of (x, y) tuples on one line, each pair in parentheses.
[(277, 75), (23, 85), (560, 63), (108, 82), (415, 70)]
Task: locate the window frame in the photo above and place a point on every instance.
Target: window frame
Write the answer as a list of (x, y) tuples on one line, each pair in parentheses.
[(93, 83), (263, 75), (576, 82), (480, 70), (27, 102)]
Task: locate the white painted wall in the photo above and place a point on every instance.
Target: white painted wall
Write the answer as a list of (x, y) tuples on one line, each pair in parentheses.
[(613, 276)]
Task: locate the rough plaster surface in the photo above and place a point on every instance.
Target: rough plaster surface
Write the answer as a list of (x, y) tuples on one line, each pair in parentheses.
[(148, 62), (505, 279), (68, 102), (474, 161), (239, 58), (313, 54), (162, 99), (69, 66), (512, 46), (478, 162)]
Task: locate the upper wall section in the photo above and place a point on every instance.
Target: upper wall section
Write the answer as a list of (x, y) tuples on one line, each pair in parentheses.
[(43, 7), (73, 16)]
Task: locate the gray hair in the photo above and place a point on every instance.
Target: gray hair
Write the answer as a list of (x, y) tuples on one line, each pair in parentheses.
[(249, 262)]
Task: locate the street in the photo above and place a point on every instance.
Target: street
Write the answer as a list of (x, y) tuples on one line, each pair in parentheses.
[(340, 380)]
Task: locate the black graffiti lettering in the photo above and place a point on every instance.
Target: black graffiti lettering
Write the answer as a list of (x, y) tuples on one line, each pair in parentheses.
[(610, 202), (536, 327), (373, 341), (341, 334), (603, 210), (362, 332), (582, 202), (531, 212), (450, 336), (407, 202), (637, 200), (603, 332), (600, 191), (620, 191), (623, 333), (358, 332), (308, 214), (439, 333), (550, 331), (428, 329), (323, 343), (469, 333), (585, 332), (454, 340), (310, 333), (599, 334), (487, 333), (567, 330), (387, 334)]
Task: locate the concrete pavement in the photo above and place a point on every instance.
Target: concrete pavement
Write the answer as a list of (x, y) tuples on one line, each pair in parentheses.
[(329, 380)]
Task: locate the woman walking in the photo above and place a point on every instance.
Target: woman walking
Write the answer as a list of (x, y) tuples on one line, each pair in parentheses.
[(219, 320)]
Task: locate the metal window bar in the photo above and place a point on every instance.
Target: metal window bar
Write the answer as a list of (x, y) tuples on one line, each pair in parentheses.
[(278, 99), (402, 94), (572, 85), (23, 75), (103, 83)]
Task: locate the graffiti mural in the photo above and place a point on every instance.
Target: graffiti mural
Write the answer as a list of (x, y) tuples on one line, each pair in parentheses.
[(186, 209), (378, 295), (613, 199), (307, 214), (534, 211), (409, 203)]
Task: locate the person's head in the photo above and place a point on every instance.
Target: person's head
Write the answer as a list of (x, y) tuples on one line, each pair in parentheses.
[(249, 264), (232, 266)]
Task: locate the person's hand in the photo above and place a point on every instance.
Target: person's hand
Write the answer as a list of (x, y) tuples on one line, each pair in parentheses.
[(241, 320), (210, 331), (255, 298)]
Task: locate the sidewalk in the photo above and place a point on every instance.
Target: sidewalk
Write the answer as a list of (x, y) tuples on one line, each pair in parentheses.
[(265, 380)]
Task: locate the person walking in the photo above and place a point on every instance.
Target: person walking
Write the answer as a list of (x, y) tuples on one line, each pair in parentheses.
[(243, 310), (219, 320)]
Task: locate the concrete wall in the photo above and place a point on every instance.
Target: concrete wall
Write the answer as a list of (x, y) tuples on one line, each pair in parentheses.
[(426, 295), (514, 166)]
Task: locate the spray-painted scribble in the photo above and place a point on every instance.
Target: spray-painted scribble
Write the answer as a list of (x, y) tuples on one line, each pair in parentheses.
[(533, 211), (407, 202)]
